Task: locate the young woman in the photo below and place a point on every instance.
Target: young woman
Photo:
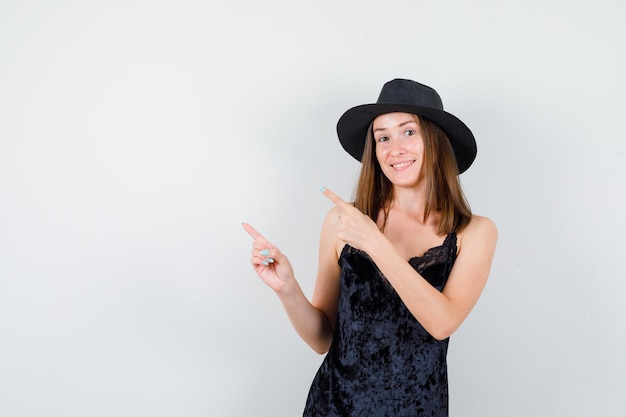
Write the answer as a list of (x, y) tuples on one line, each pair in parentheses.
[(399, 269)]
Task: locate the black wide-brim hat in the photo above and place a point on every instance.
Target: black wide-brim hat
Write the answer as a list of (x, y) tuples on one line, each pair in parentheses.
[(406, 96)]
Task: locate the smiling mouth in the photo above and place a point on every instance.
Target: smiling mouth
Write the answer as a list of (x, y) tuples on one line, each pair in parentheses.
[(402, 165)]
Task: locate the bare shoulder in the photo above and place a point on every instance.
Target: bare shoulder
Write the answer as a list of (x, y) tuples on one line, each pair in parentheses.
[(480, 232), (330, 229), (331, 221), (482, 224)]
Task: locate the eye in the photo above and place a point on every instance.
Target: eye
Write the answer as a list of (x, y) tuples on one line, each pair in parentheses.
[(409, 132), (383, 139)]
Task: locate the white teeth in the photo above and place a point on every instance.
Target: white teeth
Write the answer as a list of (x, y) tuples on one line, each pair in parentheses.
[(402, 165)]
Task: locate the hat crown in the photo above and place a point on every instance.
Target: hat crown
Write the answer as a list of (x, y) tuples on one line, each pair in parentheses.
[(401, 91)]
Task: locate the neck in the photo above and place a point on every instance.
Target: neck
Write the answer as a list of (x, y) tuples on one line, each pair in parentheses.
[(409, 200)]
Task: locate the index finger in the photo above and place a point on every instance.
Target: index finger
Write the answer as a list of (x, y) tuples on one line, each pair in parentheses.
[(334, 197), (253, 232)]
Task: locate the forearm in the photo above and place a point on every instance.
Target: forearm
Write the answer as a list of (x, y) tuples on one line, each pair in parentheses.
[(441, 313), (434, 311), (310, 323)]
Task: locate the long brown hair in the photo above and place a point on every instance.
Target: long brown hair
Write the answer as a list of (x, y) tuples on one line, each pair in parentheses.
[(374, 191)]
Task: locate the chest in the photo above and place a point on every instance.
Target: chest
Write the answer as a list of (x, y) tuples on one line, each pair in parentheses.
[(411, 238)]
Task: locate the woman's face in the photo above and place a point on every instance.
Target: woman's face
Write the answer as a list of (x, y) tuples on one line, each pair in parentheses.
[(399, 147)]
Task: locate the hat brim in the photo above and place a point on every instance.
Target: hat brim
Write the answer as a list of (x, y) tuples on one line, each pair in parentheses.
[(353, 124)]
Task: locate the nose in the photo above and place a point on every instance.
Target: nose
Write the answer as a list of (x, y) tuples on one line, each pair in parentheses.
[(397, 146)]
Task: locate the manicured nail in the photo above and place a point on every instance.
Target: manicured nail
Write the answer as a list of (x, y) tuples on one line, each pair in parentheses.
[(323, 189), (265, 263), (269, 260), (265, 252)]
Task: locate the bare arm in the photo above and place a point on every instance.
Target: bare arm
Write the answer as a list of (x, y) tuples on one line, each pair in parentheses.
[(441, 313), (313, 321)]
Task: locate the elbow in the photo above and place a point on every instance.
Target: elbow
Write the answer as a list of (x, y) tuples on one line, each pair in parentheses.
[(442, 332), (440, 335), (320, 350), (321, 347), (321, 344), (442, 329)]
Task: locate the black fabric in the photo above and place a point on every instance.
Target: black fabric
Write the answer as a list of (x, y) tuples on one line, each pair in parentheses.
[(382, 362)]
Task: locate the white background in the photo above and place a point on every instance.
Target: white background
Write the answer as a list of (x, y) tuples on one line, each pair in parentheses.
[(136, 136)]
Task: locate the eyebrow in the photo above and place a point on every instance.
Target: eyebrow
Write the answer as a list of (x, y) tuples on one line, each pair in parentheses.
[(400, 125)]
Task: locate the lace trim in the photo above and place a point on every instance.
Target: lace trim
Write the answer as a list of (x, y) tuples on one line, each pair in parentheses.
[(434, 255), (442, 254)]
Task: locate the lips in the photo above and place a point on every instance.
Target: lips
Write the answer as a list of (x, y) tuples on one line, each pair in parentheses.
[(402, 165)]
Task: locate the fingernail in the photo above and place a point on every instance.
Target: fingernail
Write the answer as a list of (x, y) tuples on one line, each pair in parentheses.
[(269, 260), (265, 263), (265, 252), (323, 189)]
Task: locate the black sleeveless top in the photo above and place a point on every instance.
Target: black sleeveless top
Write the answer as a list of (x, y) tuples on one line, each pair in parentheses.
[(382, 362)]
